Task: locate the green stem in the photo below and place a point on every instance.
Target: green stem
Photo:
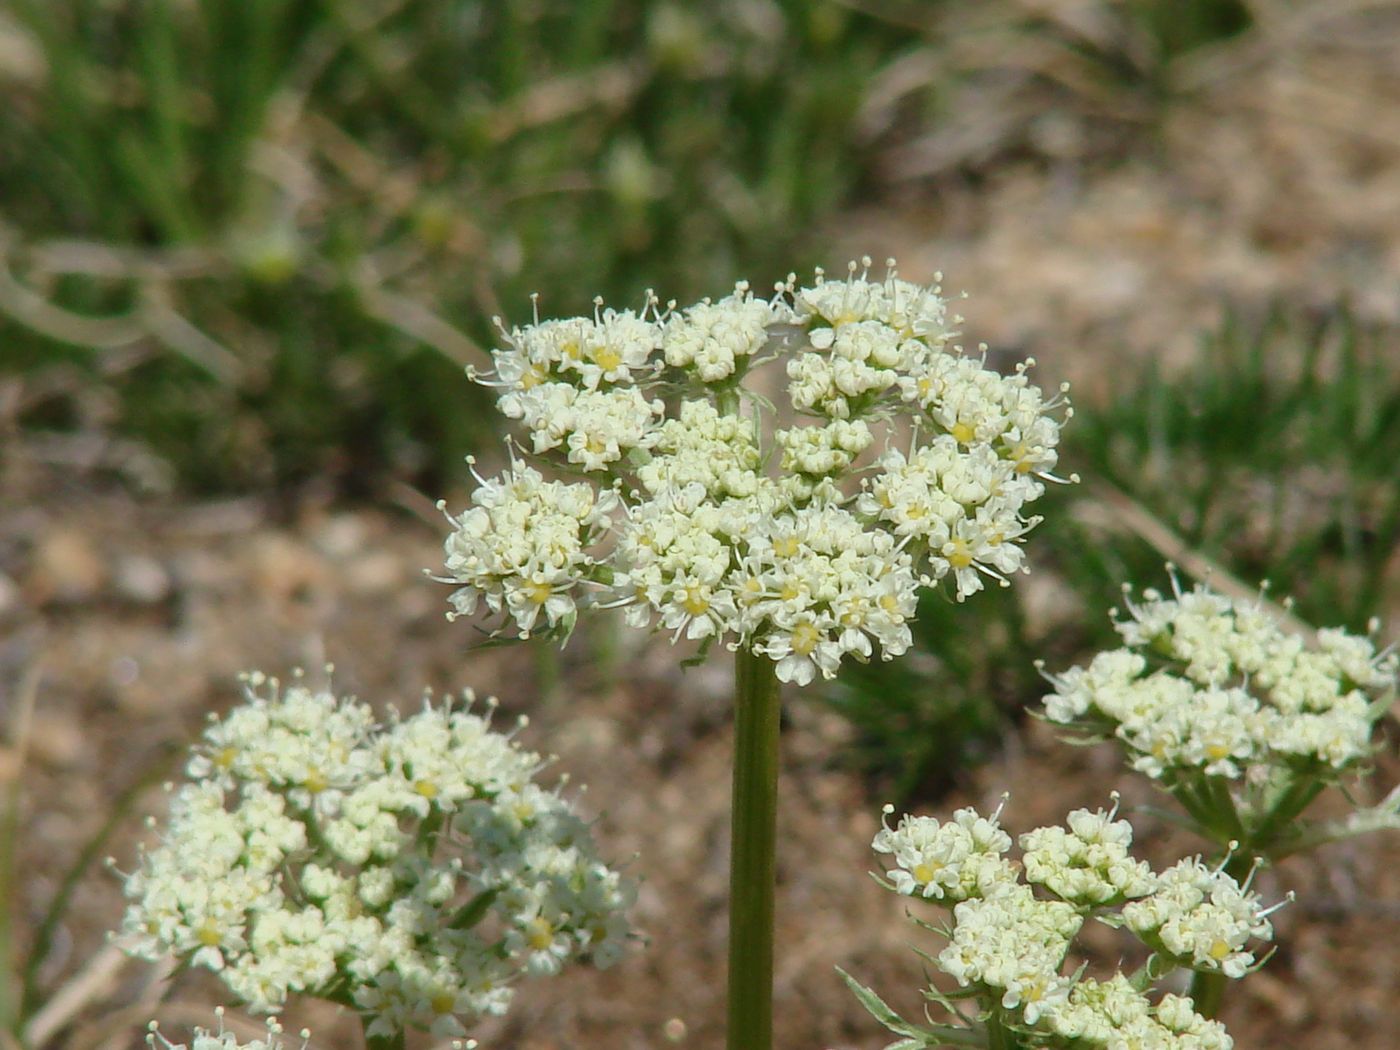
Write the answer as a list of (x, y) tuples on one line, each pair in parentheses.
[(57, 911), (381, 1042), (999, 1037), (727, 400), (1290, 805), (752, 866), (1207, 992)]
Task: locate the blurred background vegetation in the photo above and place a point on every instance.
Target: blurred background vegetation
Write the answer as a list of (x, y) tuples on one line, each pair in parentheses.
[(260, 238), (252, 244)]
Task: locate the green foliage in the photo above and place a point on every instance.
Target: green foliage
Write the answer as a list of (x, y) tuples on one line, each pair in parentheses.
[(1273, 456), (271, 232), (923, 718), (262, 237)]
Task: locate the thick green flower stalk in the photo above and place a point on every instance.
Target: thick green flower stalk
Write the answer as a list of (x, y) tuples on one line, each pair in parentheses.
[(412, 872), (797, 536), (1011, 933)]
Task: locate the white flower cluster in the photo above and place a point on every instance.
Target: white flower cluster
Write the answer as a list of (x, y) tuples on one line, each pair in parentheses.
[(1116, 1016), (412, 870), (716, 340), (1206, 684), (1088, 862), (1014, 943), (1010, 945), (524, 545), (952, 862), (1201, 918), (817, 564)]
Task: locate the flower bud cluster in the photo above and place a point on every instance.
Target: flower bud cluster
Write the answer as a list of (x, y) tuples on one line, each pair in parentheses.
[(1209, 685), (909, 462), (1086, 863), (1013, 926), (412, 871)]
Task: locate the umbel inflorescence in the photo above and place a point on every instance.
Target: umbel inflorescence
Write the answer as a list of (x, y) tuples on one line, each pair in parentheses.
[(1012, 927), (412, 871), (1242, 720), (801, 531)]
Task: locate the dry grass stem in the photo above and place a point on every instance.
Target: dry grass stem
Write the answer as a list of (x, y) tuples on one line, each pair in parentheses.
[(1111, 507)]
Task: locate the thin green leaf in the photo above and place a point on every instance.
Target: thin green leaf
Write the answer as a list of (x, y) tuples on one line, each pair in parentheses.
[(879, 1009)]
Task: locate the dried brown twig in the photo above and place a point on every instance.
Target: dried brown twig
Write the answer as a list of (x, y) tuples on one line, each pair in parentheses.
[(1110, 507)]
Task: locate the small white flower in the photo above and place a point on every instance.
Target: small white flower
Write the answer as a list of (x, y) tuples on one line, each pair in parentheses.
[(527, 572), (223, 1039), (1014, 944), (714, 340), (956, 861)]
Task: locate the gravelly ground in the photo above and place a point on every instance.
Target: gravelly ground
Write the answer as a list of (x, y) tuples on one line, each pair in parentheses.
[(137, 618)]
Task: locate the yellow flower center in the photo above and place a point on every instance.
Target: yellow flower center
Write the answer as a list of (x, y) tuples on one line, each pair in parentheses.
[(209, 934), (606, 358), (805, 637), (695, 601), (960, 556), (442, 1003), (924, 873), (541, 934), (539, 592), (963, 433)]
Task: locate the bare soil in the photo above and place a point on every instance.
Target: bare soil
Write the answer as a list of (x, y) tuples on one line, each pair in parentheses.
[(135, 618)]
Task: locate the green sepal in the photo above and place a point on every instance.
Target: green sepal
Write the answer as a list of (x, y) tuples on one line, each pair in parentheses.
[(700, 657), (474, 910)]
